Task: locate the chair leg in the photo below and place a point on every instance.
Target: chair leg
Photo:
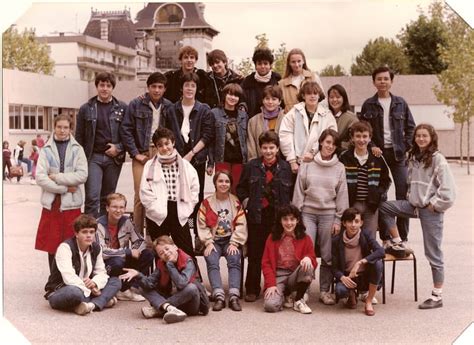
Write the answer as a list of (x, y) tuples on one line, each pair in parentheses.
[(415, 278), (393, 277), (383, 282)]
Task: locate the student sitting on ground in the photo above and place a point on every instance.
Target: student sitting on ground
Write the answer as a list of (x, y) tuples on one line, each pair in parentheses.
[(78, 280), (356, 261), (122, 245), (174, 267), (288, 263)]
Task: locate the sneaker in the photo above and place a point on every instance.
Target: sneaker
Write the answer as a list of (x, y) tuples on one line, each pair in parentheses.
[(111, 302), (396, 250), (431, 304), (129, 295), (302, 307), (150, 312), (363, 297), (407, 248), (386, 244), (326, 298), (84, 308), (173, 315), (289, 301)]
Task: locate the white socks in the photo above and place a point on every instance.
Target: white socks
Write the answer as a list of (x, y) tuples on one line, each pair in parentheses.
[(436, 294)]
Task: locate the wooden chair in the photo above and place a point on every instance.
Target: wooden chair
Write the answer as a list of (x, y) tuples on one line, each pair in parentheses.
[(393, 259)]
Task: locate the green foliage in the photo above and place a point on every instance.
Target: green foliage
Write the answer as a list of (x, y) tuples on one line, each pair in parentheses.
[(380, 52), (421, 39), (332, 71), (23, 52), (245, 67)]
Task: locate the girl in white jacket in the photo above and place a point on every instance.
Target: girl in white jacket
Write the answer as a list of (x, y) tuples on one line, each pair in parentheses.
[(431, 191), (169, 191)]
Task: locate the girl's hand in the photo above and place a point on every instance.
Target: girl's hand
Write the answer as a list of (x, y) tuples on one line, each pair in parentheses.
[(232, 249), (306, 264), (294, 167), (271, 291), (377, 152), (348, 282), (209, 249), (336, 228), (71, 189), (131, 273), (308, 157)]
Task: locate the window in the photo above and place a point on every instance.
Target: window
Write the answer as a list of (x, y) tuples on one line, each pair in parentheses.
[(41, 118), (29, 117), (15, 116)]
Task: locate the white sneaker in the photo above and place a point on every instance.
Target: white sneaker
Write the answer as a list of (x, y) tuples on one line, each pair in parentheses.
[(150, 312), (289, 301), (129, 295), (326, 298), (363, 297), (302, 307), (84, 308), (111, 302), (173, 315)]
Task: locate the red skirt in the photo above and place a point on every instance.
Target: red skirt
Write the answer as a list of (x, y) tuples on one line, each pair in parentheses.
[(55, 226)]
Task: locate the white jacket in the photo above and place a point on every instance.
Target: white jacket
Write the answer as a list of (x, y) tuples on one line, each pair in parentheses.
[(296, 138), (154, 194), (75, 174)]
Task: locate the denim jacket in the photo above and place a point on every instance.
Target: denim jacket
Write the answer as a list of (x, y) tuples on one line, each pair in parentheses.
[(252, 184), (86, 124), (201, 128), (136, 127), (216, 153), (401, 123)]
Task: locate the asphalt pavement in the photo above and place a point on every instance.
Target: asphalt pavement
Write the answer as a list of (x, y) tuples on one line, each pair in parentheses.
[(398, 321)]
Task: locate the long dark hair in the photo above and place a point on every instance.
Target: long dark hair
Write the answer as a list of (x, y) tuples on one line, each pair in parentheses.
[(427, 156), (345, 99), (287, 210)]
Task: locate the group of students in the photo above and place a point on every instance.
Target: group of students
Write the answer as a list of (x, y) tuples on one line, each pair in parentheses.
[(12, 164), (294, 176)]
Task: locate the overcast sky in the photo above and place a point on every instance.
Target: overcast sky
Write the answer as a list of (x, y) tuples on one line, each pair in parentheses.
[(329, 32)]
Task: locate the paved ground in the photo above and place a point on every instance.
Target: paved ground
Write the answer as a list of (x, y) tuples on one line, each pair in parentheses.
[(398, 321)]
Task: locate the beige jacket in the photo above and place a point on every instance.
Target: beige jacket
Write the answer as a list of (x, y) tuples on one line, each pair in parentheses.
[(254, 130), (290, 92)]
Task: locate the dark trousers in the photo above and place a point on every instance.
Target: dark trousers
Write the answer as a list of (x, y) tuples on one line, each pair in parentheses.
[(399, 172), (187, 299), (258, 234), (371, 275), (143, 264)]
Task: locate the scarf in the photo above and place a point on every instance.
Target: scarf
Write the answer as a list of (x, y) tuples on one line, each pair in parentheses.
[(184, 190), (269, 115), (352, 251), (263, 78)]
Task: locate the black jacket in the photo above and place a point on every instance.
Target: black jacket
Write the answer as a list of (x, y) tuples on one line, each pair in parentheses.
[(253, 92), (174, 90), (214, 86)]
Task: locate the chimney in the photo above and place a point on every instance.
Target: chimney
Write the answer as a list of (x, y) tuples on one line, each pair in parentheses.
[(104, 29), (201, 8)]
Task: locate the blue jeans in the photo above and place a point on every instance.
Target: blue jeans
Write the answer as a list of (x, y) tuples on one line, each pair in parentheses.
[(318, 227), (115, 265), (101, 181), (213, 269), (27, 162), (399, 173), (371, 275), (187, 299), (68, 297), (431, 226)]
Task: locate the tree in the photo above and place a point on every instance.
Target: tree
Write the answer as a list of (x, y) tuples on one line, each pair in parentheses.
[(380, 52), (332, 71), (246, 65), (457, 81), (420, 41), (23, 52)]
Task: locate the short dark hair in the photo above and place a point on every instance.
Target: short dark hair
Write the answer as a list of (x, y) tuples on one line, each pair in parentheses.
[(284, 211), (187, 77), (329, 132), (156, 77), (84, 221), (350, 214), (360, 126), (268, 137), (382, 69), (232, 89), (308, 88), (345, 99), (216, 55), (272, 91), (262, 54), (225, 172), (187, 50), (162, 133), (105, 76)]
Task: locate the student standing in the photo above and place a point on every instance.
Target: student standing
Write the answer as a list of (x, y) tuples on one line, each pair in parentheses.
[(431, 192)]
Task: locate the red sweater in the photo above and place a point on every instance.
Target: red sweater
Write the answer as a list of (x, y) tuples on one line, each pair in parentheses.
[(303, 247)]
